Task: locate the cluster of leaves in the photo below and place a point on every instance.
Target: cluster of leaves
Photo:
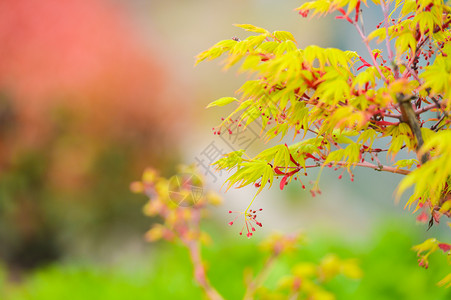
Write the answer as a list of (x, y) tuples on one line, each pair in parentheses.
[(401, 95), (181, 223), (427, 248), (179, 205)]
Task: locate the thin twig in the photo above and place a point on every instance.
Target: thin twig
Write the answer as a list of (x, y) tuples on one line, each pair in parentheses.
[(399, 117), (414, 57), (439, 105), (260, 278), (375, 167), (360, 164), (428, 107), (412, 72), (200, 273), (365, 41), (385, 8), (434, 127), (379, 164)]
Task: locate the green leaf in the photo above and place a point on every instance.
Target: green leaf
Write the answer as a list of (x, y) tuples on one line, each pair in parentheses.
[(334, 156), (222, 101), (406, 163), (341, 136), (251, 171), (216, 50), (284, 36), (367, 135), (405, 41), (252, 28), (230, 160), (380, 34)]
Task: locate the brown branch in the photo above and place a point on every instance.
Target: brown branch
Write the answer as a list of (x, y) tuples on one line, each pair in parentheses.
[(380, 167), (376, 167), (429, 107), (439, 105), (409, 116), (399, 117), (434, 127)]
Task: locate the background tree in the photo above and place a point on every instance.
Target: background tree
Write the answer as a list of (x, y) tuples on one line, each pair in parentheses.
[(81, 104)]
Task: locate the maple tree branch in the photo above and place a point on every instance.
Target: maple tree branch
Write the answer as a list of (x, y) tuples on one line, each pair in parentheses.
[(377, 159), (377, 167), (410, 117), (414, 58), (412, 72), (399, 117), (437, 104), (365, 164), (435, 126), (367, 45), (377, 150), (387, 40)]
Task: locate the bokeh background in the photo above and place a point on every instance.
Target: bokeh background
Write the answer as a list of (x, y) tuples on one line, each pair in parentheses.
[(94, 91)]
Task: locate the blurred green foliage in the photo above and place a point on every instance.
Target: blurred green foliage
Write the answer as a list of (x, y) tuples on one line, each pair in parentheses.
[(390, 272)]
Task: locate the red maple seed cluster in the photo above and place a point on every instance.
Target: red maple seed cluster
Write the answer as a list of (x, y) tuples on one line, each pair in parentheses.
[(250, 218), (423, 263), (226, 123)]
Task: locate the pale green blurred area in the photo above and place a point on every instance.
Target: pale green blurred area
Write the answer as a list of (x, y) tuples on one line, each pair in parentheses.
[(126, 95)]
